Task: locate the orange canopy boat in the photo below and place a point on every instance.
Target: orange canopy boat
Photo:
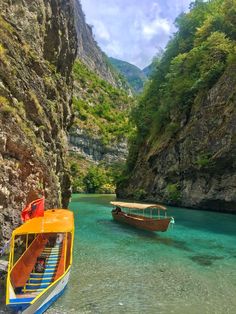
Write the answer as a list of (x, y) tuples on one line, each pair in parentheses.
[(152, 222), (40, 274)]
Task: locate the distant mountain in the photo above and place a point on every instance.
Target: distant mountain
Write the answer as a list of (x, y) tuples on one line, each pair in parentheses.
[(149, 69), (134, 76)]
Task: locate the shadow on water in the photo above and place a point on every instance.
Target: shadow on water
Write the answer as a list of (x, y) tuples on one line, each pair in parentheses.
[(145, 235)]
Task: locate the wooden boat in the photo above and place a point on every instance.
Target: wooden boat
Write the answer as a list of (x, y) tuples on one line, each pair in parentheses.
[(40, 274), (142, 221)]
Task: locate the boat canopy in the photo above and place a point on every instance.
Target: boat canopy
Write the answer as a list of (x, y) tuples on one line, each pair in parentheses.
[(138, 205), (54, 220)]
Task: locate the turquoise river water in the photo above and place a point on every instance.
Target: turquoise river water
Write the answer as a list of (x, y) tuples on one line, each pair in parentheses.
[(190, 269)]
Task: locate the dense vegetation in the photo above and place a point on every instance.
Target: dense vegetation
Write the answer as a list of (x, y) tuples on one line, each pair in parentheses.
[(100, 108), (195, 58), (102, 112), (88, 177), (134, 76)]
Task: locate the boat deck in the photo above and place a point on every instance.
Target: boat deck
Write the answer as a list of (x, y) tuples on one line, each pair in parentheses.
[(38, 281)]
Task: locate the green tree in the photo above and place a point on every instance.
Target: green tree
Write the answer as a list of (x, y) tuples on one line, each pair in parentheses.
[(194, 60)]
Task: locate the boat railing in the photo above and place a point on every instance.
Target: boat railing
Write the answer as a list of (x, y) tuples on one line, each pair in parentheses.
[(26, 262), (149, 213)]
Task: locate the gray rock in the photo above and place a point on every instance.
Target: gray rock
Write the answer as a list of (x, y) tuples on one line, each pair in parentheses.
[(94, 150)]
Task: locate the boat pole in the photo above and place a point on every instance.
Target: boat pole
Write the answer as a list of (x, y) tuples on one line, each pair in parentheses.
[(12, 252), (65, 252), (27, 241), (11, 260)]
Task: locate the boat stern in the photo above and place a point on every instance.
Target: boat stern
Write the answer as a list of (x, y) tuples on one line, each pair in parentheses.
[(18, 305), (16, 302)]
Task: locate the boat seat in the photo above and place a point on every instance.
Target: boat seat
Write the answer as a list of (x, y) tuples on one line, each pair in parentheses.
[(38, 281)]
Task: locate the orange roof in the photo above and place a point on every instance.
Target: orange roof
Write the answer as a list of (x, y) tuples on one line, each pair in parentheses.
[(54, 220), (137, 205)]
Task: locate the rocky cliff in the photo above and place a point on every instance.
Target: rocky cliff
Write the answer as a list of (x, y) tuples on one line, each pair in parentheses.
[(37, 49), (88, 50), (101, 125), (94, 150), (196, 167)]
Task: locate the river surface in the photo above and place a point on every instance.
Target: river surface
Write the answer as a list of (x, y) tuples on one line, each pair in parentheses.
[(190, 269)]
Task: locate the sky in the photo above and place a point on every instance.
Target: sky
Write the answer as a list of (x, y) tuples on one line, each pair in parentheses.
[(133, 30)]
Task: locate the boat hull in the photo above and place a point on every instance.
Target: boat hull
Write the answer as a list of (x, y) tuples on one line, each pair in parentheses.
[(46, 299), (155, 224)]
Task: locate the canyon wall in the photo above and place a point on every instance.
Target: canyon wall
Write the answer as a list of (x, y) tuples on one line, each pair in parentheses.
[(38, 45)]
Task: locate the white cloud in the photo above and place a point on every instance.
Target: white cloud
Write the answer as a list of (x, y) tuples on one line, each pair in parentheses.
[(156, 27), (101, 30), (114, 48), (133, 30)]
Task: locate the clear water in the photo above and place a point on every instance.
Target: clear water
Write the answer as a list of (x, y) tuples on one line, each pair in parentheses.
[(118, 269)]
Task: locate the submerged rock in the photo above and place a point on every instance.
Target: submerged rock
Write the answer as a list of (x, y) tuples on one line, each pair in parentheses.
[(205, 260)]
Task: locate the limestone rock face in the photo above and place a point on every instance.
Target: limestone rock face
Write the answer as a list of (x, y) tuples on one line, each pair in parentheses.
[(95, 151), (88, 50), (197, 167), (38, 46)]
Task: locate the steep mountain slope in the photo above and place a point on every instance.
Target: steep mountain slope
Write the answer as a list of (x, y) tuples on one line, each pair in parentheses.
[(134, 76), (37, 50), (184, 152), (90, 53), (101, 126)]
